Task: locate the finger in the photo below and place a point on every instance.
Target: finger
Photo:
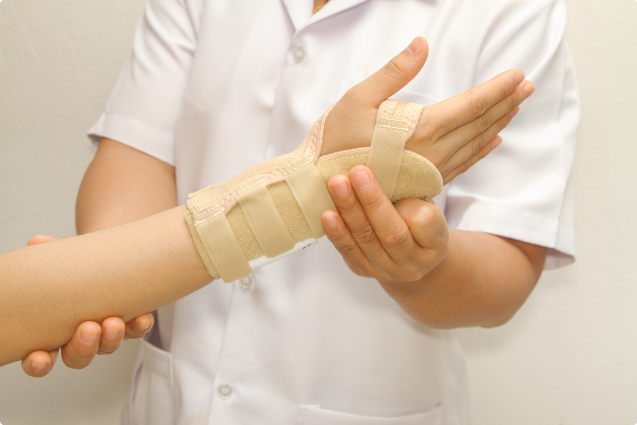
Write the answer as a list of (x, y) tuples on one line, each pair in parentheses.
[(37, 364), (356, 221), (337, 232), (81, 350), (139, 326), (460, 136), (54, 356), (40, 239), (426, 222), (113, 330), (476, 146), (392, 77), (392, 231), (466, 107), (494, 143)]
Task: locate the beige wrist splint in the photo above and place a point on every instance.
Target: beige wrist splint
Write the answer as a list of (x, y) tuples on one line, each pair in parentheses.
[(274, 208)]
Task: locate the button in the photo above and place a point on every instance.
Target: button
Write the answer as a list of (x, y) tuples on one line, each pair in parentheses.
[(245, 282), (298, 54), (225, 391)]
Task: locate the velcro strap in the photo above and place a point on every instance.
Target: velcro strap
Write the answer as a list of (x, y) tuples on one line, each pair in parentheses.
[(395, 124), (222, 246), (264, 218), (312, 195)]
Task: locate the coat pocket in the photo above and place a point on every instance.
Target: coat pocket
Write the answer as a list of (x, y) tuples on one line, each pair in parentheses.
[(152, 397), (314, 415)]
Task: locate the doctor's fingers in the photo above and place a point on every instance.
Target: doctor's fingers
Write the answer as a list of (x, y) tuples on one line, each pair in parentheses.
[(377, 229), (476, 150), (362, 232), (446, 116), (463, 137), (392, 77), (139, 326), (39, 363), (337, 232), (80, 351)]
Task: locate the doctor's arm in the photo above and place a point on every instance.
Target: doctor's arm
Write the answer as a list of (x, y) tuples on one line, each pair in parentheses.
[(444, 278)]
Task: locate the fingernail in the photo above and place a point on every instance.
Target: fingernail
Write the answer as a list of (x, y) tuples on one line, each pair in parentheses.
[(515, 111), (88, 338), (519, 77), (361, 180), (147, 326), (331, 222), (110, 334), (497, 142), (415, 47), (39, 366), (528, 89), (340, 190)]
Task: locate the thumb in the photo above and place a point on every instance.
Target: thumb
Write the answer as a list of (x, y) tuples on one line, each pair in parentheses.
[(395, 75)]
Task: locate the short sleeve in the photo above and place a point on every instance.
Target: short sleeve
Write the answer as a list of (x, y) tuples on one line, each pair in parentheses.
[(143, 108), (524, 189)]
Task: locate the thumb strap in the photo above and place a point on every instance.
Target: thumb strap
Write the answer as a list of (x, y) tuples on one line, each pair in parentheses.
[(396, 122)]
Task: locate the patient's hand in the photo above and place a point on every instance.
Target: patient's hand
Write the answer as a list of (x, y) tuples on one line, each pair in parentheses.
[(453, 134), (89, 339)]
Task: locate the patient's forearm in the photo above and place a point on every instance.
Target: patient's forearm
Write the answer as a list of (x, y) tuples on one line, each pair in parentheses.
[(47, 290)]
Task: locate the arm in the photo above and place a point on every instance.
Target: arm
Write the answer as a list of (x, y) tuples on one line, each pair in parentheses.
[(121, 185), (443, 278), (49, 289)]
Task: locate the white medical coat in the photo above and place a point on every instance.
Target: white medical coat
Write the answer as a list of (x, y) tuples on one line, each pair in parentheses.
[(214, 87)]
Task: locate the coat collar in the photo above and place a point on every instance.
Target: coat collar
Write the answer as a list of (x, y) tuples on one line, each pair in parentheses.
[(300, 11)]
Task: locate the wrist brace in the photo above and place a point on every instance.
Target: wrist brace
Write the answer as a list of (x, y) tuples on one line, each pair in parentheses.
[(274, 208)]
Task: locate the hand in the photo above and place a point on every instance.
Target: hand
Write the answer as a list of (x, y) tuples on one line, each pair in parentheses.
[(453, 134), (89, 339), (400, 242)]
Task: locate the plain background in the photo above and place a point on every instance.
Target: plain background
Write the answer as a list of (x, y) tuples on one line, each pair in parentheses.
[(568, 357)]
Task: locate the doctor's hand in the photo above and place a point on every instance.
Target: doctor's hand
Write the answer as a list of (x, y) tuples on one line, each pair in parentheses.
[(401, 242), (89, 339), (453, 134)]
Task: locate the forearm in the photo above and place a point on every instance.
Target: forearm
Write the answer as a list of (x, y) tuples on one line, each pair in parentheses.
[(483, 281), (47, 290)]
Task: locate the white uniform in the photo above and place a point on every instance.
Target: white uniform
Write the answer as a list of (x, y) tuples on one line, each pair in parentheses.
[(217, 86)]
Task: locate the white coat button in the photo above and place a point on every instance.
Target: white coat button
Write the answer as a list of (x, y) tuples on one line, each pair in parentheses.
[(245, 282), (298, 54), (225, 391)]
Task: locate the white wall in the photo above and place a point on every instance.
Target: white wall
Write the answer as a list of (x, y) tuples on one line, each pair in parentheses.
[(568, 358)]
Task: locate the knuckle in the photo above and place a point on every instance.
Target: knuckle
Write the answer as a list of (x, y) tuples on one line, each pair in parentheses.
[(365, 235), (477, 144), (393, 69), (504, 87), (397, 239), (375, 202), (346, 249), (483, 123), (476, 103)]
